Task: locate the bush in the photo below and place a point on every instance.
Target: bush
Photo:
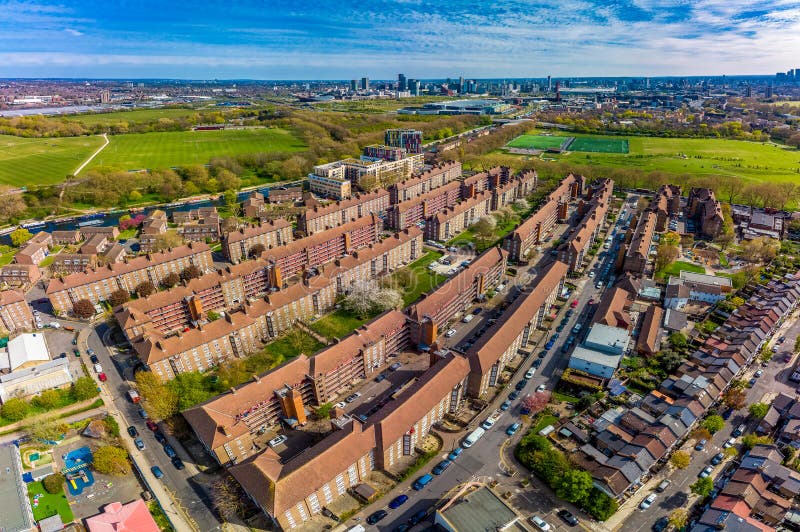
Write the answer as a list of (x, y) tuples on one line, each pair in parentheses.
[(111, 460), (85, 388), (83, 309), (680, 459), (111, 425), (191, 272), (170, 280), (15, 409), (54, 483), (48, 399)]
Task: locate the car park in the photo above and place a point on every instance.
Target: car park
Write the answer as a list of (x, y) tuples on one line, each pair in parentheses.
[(157, 471), (139, 444), (132, 431), (648, 501), (568, 518), (706, 472), (441, 466), (376, 516), (398, 501), (540, 523)]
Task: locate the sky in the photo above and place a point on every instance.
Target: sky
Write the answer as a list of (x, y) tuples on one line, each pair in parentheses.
[(345, 39)]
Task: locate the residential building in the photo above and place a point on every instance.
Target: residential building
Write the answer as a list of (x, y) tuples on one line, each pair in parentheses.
[(696, 288), (637, 253), (512, 331), (238, 245), (703, 207), (408, 139), (330, 181), (613, 308), (152, 227), (285, 194), (754, 222), (16, 275), (417, 209), (573, 250), (387, 153), (451, 221), (15, 314), (66, 263), (97, 285), (320, 218), (111, 231), (666, 204), (649, 341), (95, 245), (35, 250), (118, 517), (254, 205), (434, 177), (198, 225), (64, 238), (601, 351), (433, 311)]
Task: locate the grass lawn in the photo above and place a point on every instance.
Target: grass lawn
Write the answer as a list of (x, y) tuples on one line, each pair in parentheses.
[(542, 422), (564, 397), (136, 115), (127, 233), (48, 260), (599, 145), (337, 324), (677, 267), (7, 257), (285, 347), (537, 142), (49, 504), (27, 162), (422, 279), (175, 148), (755, 161), (723, 259)]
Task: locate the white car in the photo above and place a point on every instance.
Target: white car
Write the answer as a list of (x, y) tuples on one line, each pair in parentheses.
[(540, 523), (530, 373), (341, 404), (730, 443), (540, 388), (648, 502), (450, 333), (98, 368), (591, 275)]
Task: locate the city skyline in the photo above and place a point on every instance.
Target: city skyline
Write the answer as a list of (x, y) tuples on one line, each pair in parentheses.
[(421, 39)]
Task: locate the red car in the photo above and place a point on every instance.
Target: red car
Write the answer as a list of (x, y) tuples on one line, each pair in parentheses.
[(573, 304), (151, 425), (102, 377)]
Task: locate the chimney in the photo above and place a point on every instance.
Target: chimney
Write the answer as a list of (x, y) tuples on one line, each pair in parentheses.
[(224, 429)]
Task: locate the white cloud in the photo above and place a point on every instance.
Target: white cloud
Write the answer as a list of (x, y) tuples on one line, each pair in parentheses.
[(73, 32)]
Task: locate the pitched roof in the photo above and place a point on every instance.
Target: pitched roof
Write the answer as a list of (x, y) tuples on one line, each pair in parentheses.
[(118, 517), (611, 309), (651, 329)]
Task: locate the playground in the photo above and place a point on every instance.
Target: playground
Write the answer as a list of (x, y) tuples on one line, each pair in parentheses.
[(76, 470)]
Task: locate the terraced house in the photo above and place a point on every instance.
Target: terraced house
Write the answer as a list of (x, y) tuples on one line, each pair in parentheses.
[(97, 284)]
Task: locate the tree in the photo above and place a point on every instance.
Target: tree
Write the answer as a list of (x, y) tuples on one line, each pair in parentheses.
[(168, 240), (766, 354), (54, 483), (678, 518), (713, 423), (678, 340), (12, 205), (366, 297), (734, 398), (231, 202), (212, 315), (680, 459), (703, 486), (751, 440), (737, 301), (671, 238), (665, 255), (761, 249), (600, 505), (227, 498), (111, 460), (48, 399), (20, 236), (15, 409), (758, 410), (256, 250), (84, 388), (701, 433), (669, 360), (536, 402), (484, 229), (324, 410), (145, 288), (83, 309), (160, 401), (574, 485), (190, 272), (118, 297), (170, 280)]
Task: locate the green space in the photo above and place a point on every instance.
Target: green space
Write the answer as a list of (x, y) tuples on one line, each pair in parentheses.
[(542, 421), (337, 324), (177, 148), (127, 233), (159, 516), (754, 161), (599, 144), (42, 161), (49, 504), (48, 260), (135, 115), (289, 346), (16, 409), (421, 279), (6, 254), (675, 269), (537, 142), (565, 397)]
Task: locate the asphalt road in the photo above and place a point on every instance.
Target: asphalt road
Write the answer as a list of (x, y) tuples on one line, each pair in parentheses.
[(186, 484), (482, 460)]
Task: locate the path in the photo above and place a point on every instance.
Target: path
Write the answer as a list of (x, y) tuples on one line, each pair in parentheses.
[(92, 156)]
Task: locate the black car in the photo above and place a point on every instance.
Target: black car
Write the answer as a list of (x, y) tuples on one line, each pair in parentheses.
[(94, 359), (537, 363), (377, 516), (178, 463), (520, 385), (513, 395), (418, 517), (661, 524), (160, 438), (568, 518), (132, 431), (478, 310)]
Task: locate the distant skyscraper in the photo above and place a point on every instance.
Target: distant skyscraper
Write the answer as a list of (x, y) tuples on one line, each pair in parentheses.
[(353, 85), (364, 84), (461, 89), (549, 84), (768, 91), (105, 96), (414, 87), (748, 91), (401, 82)]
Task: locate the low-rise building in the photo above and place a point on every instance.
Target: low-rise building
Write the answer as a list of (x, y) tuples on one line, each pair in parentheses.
[(15, 313), (32, 380), (285, 194), (95, 245), (601, 351), (152, 227), (198, 225), (69, 237), (434, 177), (703, 207), (35, 250), (16, 275), (649, 341), (637, 254)]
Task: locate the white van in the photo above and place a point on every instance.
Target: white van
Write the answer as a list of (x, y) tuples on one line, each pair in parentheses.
[(474, 436)]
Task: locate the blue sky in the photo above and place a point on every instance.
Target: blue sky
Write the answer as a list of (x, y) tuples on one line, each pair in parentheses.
[(309, 39)]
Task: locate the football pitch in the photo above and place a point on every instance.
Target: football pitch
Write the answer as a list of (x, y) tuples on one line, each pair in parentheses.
[(137, 151), (599, 145), (538, 142)]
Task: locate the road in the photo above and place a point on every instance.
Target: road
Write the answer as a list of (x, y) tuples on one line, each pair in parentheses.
[(187, 485), (482, 460)]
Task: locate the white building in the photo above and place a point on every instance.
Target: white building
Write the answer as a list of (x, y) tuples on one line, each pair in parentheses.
[(24, 351), (35, 379)]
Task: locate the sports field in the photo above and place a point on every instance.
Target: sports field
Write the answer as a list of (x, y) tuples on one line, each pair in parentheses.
[(136, 115), (26, 162), (163, 150), (599, 144), (755, 161), (536, 142)]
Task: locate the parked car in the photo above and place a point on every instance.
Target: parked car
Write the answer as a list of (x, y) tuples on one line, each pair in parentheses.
[(701, 445), (718, 458), (132, 431), (170, 451), (102, 377), (506, 405), (418, 517), (395, 366), (450, 333), (94, 359), (398, 501), (664, 485), (380, 377), (729, 443), (513, 395), (706, 472), (568, 518), (157, 471), (529, 374), (376, 516), (511, 430), (142, 413), (661, 524), (648, 502), (441, 466), (455, 453), (160, 438), (537, 363), (759, 373), (540, 523), (540, 388), (520, 385), (139, 444), (152, 425)]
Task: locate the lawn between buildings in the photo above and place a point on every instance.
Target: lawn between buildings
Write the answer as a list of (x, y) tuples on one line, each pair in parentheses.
[(50, 504), (674, 269)]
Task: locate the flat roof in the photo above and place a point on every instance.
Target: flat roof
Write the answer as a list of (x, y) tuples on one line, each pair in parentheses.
[(703, 278), (14, 505), (479, 511), (609, 337), (596, 357)]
